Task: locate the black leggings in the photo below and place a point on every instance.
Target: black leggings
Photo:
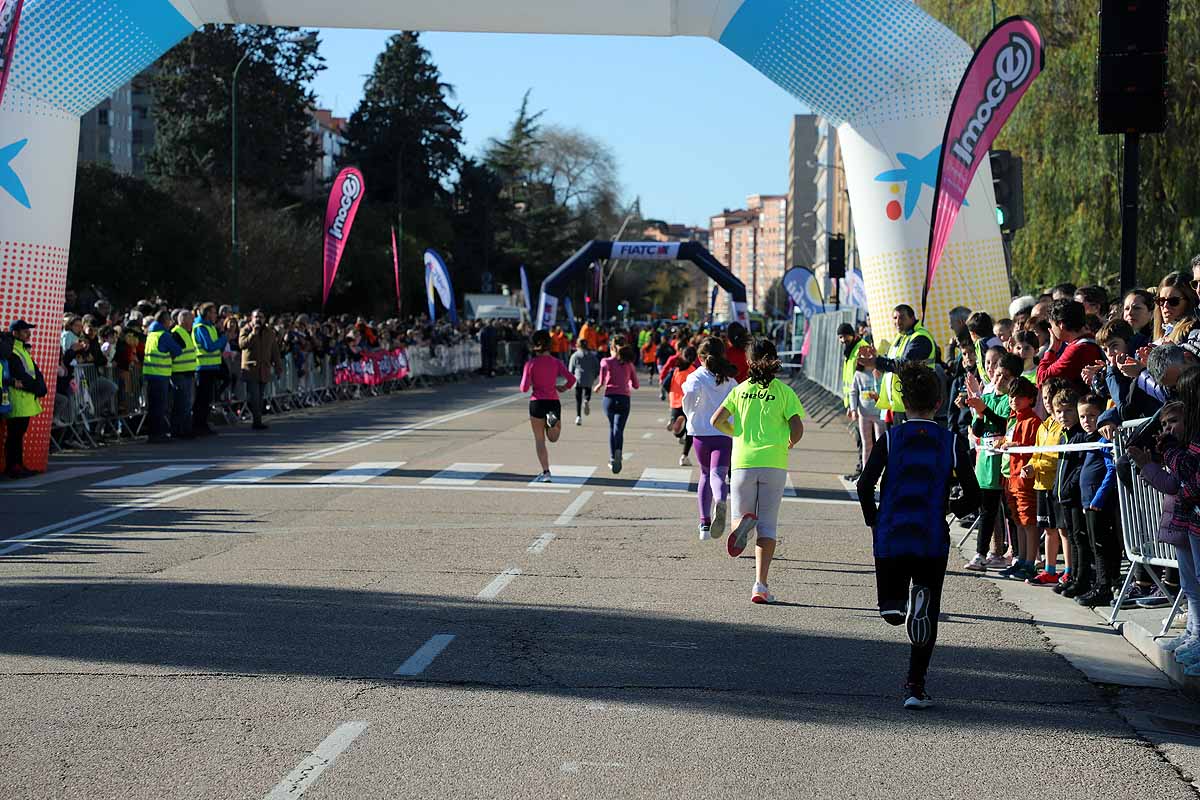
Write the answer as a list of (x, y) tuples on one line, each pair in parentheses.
[(684, 438), (1105, 540), (581, 392), (14, 442), (892, 579), (991, 509)]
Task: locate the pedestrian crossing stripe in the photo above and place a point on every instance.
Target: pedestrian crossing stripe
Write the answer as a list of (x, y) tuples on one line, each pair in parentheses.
[(152, 476), (664, 479), (260, 473), (568, 475), (461, 474), (359, 473)]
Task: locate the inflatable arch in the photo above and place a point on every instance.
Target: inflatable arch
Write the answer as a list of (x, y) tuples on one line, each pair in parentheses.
[(602, 249), (883, 71)]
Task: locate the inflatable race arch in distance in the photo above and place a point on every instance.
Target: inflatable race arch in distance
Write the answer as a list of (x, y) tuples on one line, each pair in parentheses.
[(883, 71)]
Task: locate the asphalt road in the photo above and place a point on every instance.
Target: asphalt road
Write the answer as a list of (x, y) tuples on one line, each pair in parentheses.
[(373, 601)]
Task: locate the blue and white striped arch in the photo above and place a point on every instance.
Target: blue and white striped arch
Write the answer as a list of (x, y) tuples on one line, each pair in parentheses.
[(883, 71)]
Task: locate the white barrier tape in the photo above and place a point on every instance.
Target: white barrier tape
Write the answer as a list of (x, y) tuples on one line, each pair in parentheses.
[(1058, 448)]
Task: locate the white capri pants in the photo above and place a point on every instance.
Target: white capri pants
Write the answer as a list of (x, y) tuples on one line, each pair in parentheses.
[(759, 491)]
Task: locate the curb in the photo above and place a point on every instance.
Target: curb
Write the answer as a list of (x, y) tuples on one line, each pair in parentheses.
[(1147, 644)]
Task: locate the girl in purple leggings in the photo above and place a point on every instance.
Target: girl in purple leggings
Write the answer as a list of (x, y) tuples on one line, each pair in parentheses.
[(703, 393)]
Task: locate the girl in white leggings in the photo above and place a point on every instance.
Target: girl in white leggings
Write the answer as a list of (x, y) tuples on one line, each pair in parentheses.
[(765, 419)]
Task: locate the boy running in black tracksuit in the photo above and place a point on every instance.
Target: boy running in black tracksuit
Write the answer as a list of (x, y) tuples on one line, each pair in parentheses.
[(919, 462)]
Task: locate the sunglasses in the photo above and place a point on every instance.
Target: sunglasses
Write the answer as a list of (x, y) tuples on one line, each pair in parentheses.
[(1169, 301)]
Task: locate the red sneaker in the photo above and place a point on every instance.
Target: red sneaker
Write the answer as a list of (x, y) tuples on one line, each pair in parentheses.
[(741, 534), (1043, 579)]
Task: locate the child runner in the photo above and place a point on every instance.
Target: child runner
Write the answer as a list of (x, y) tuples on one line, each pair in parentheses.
[(703, 393), (648, 351), (767, 421), (661, 356), (685, 364), (541, 374), (736, 352), (920, 462), (618, 377), (585, 366), (1019, 492)]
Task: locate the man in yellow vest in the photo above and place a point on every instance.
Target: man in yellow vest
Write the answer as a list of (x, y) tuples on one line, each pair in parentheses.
[(28, 386), (183, 377), (210, 346), (851, 345), (161, 349), (913, 343)]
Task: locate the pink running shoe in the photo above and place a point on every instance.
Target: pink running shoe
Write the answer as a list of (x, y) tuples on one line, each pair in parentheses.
[(741, 534)]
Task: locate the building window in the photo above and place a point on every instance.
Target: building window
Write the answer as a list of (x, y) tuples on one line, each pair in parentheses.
[(102, 116)]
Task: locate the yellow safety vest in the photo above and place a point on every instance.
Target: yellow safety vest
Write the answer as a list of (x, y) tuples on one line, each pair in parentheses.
[(890, 394), (848, 370), (207, 358), (186, 361), (24, 404), (156, 363)]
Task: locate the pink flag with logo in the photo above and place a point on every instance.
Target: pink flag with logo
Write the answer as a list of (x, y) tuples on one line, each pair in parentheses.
[(396, 266), (10, 18), (344, 199), (1002, 69)]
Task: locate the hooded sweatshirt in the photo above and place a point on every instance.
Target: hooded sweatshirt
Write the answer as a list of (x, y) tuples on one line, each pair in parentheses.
[(702, 396)]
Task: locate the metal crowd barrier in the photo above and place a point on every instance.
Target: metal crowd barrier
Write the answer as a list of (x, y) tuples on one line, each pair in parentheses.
[(823, 364), (106, 404), (1141, 511)]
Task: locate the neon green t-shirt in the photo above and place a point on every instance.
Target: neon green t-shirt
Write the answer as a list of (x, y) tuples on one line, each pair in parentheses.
[(760, 423)]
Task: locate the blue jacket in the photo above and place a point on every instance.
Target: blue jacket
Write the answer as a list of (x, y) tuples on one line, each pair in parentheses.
[(206, 343), (167, 344), (1097, 477)]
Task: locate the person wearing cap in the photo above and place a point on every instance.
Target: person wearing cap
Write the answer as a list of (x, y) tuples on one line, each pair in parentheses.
[(161, 349), (183, 376), (28, 386), (210, 345)]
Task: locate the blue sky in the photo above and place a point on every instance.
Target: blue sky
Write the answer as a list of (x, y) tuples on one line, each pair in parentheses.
[(694, 128)]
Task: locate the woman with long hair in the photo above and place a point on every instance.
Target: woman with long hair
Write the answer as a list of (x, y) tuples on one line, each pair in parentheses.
[(765, 419), (703, 393), (1175, 310), (1138, 310), (685, 363), (736, 351), (541, 375), (618, 378)]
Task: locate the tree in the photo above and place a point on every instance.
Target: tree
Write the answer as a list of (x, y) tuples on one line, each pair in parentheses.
[(192, 88)]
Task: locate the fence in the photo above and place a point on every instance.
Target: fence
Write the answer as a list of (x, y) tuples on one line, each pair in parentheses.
[(1141, 510), (107, 404), (823, 364)]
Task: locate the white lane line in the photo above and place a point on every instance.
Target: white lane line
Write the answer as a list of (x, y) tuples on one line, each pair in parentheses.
[(679, 494), (400, 487), (850, 486), (425, 655), (152, 476), (498, 583), (662, 420), (260, 473), (420, 426), (361, 472), (568, 475), (540, 544), (307, 771), (58, 475), (93, 518), (647, 435), (462, 473), (576, 506), (820, 501), (659, 478)]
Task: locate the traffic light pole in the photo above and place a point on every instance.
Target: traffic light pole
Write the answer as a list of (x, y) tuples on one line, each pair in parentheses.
[(1129, 212)]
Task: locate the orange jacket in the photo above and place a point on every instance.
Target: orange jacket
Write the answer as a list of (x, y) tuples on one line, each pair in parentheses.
[(648, 353), (675, 393)]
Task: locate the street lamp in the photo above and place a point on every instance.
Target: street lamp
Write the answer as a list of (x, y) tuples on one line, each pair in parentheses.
[(297, 36)]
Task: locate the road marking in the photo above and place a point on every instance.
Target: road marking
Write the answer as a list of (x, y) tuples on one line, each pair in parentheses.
[(92, 518), (573, 767), (820, 501), (659, 478), (647, 435), (70, 473), (420, 426), (540, 544), (425, 655), (361, 472), (680, 494), (152, 476), (568, 475), (260, 473), (400, 487), (493, 589), (851, 487), (662, 420), (576, 506), (464, 473), (308, 770)]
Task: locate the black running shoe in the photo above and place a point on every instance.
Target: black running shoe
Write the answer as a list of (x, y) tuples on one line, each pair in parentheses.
[(916, 621)]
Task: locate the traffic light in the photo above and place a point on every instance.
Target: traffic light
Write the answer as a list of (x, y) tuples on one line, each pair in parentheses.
[(620, 306), (587, 298), (1007, 180)]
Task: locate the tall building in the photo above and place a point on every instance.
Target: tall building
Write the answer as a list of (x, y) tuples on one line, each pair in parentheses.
[(695, 299), (752, 243), (802, 191), (329, 132), (120, 130), (831, 209)]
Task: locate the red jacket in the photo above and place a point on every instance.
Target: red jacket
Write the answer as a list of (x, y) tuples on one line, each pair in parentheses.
[(1069, 362)]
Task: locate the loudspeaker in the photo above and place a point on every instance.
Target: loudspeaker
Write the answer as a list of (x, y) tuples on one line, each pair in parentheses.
[(1128, 26), (837, 256)]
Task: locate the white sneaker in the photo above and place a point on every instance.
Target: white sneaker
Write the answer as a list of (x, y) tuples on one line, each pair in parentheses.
[(761, 594), (551, 419), (993, 561), (705, 532), (544, 477), (718, 517), (578, 421), (1179, 641), (587, 407), (683, 461), (977, 564)]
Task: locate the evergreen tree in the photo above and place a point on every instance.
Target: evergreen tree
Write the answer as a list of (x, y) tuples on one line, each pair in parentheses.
[(192, 95)]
